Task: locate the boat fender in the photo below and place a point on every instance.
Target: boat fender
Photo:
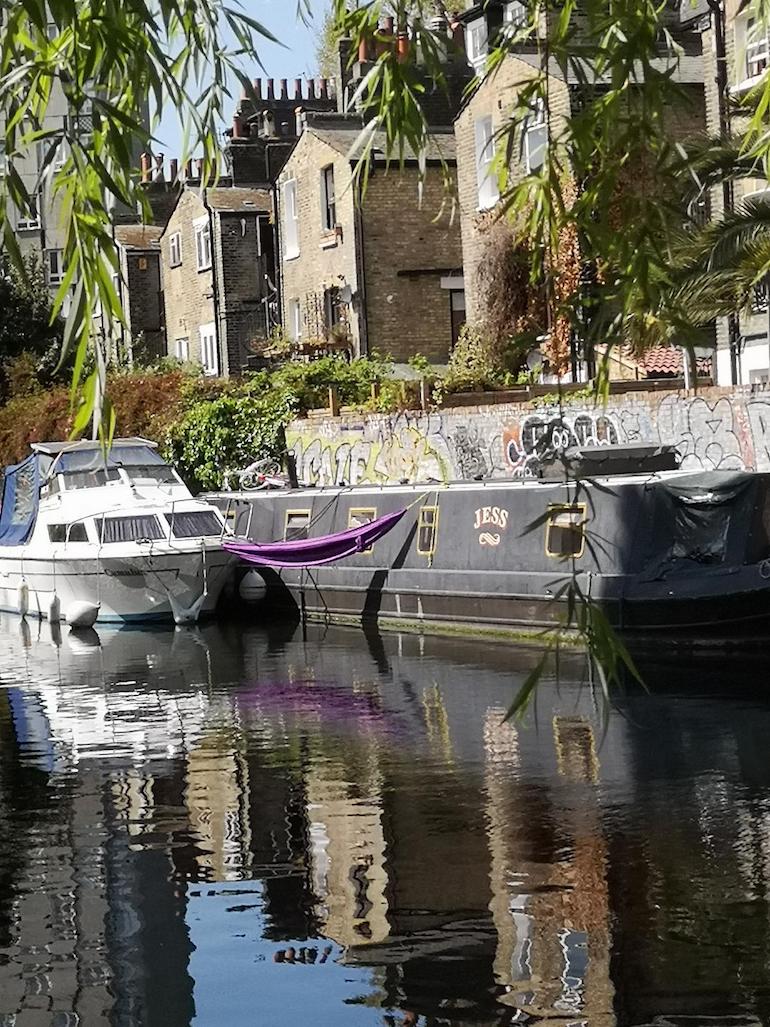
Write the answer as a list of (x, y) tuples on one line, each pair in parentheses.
[(252, 588), (54, 610), (82, 614), (22, 599)]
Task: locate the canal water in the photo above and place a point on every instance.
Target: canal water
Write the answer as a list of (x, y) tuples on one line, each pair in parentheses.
[(239, 825)]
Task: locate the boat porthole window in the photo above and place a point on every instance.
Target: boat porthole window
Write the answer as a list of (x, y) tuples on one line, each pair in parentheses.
[(360, 515), (67, 532), (565, 531), (427, 528), (296, 526)]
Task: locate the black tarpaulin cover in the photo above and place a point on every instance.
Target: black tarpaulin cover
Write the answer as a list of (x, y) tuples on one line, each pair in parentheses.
[(693, 517)]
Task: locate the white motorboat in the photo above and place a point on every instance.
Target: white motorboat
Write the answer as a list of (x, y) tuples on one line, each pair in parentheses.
[(87, 536)]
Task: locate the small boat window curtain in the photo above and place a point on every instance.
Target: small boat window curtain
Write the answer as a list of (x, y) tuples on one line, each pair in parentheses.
[(130, 529), (194, 523), (21, 496)]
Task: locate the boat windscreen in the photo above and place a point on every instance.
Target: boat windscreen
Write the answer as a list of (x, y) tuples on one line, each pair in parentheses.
[(94, 459), (21, 496)]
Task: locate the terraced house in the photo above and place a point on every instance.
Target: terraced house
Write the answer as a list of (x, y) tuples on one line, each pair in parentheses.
[(378, 271), (490, 107)]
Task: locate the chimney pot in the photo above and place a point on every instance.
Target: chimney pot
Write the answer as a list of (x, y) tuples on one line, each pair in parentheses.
[(311, 89), (188, 169), (324, 90), (390, 24), (158, 172), (199, 167), (284, 89), (173, 169), (363, 51), (258, 88), (238, 127), (144, 164), (297, 88), (270, 89), (299, 120)]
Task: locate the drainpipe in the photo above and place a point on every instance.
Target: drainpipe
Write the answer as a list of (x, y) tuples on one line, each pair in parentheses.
[(278, 262), (214, 289), (718, 20), (363, 320)]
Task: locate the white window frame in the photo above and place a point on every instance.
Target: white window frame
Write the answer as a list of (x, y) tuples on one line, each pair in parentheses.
[(54, 268), (182, 348), (294, 318), (477, 41), (290, 219), (175, 249), (202, 227), (29, 224), (515, 14), (209, 355), (535, 138), (757, 48), (488, 190), (328, 199)]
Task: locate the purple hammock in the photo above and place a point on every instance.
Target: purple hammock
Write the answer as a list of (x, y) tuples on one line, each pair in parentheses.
[(313, 552)]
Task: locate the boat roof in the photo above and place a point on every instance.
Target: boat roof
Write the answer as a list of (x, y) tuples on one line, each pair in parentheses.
[(86, 445)]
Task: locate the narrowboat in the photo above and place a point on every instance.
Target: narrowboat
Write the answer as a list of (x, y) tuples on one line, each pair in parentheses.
[(661, 549), (90, 536)]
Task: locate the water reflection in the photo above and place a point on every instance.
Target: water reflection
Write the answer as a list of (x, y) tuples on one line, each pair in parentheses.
[(229, 825)]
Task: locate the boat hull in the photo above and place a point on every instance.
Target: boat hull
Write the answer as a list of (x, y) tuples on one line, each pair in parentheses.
[(135, 588)]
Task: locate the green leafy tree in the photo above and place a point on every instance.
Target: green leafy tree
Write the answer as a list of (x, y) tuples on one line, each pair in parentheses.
[(115, 66), (28, 334)]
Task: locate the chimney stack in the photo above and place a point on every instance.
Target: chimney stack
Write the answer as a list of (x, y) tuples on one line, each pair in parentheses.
[(144, 164)]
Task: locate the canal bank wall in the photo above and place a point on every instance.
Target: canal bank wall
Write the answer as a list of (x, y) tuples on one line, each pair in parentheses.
[(713, 429)]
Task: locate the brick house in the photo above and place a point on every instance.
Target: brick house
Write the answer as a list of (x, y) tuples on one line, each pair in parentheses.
[(743, 348), (140, 290), (217, 259), (374, 274), (490, 108)]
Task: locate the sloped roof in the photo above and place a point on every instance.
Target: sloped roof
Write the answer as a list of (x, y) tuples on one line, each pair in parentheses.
[(138, 237), (668, 360), (237, 199)]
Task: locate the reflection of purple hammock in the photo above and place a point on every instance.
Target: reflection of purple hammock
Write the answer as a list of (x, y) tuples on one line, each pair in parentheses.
[(312, 552)]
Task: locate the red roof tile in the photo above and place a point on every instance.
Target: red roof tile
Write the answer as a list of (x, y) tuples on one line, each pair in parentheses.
[(668, 360)]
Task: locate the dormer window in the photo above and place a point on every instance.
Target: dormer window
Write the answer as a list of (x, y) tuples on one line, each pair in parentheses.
[(477, 41)]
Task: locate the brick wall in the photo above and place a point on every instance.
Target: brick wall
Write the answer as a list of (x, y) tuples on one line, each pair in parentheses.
[(325, 261), (140, 271), (188, 293), (495, 98), (240, 275), (407, 248)]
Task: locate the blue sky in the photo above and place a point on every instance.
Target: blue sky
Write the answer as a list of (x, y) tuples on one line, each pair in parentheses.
[(295, 59)]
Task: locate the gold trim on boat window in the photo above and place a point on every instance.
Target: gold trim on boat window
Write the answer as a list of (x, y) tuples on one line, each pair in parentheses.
[(360, 515), (565, 537), (427, 530), (298, 531)]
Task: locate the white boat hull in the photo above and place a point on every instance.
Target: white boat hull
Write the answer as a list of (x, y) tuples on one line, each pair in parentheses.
[(173, 586)]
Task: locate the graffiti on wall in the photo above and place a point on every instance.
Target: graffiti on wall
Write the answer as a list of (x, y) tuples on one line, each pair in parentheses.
[(716, 429)]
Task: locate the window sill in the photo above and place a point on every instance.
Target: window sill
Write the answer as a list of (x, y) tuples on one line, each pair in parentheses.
[(290, 256), (201, 269), (484, 207), (330, 238), (747, 84), (171, 266)]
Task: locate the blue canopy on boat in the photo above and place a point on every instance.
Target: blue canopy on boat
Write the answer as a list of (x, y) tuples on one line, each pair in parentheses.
[(21, 497)]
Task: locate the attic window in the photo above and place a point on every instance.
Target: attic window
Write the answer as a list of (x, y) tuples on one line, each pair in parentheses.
[(476, 41)]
